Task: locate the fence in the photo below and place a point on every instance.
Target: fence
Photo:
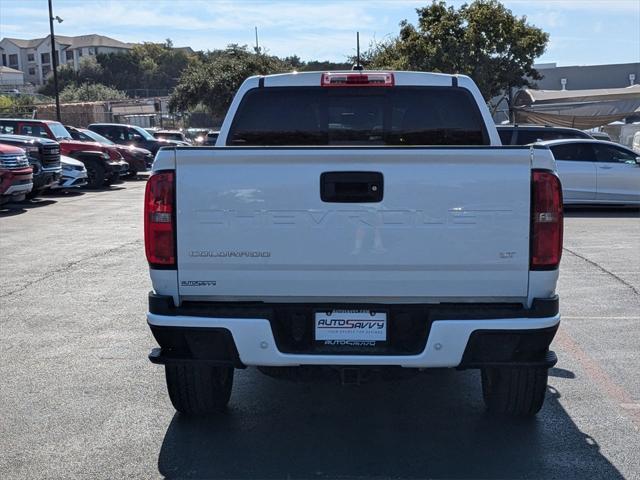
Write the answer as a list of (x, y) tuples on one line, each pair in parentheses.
[(146, 113)]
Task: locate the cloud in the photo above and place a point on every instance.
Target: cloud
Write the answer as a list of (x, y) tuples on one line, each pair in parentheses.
[(601, 7), (550, 19), (204, 15), (322, 29), (8, 29)]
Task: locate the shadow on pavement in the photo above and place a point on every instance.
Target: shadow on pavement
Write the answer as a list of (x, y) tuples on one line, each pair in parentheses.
[(561, 373), (64, 193), (16, 208), (601, 211), (109, 188), (432, 426), (138, 178)]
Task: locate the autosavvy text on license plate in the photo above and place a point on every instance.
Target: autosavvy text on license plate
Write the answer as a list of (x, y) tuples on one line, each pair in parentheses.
[(351, 326)]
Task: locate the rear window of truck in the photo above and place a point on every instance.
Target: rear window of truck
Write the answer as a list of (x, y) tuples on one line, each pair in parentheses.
[(298, 116)]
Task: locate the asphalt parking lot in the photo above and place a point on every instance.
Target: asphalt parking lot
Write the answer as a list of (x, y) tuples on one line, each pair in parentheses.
[(80, 399)]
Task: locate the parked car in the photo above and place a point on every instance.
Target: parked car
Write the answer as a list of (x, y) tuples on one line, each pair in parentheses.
[(104, 163), (101, 169), (44, 158), (74, 174), (139, 159), (526, 134), (443, 253), (212, 137), (55, 131), (595, 171), (131, 135), (635, 145), (16, 175), (176, 135), (197, 136), (600, 136)]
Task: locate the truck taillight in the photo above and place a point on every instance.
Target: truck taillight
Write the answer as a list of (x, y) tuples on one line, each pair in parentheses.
[(546, 220), (159, 220), (369, 79)]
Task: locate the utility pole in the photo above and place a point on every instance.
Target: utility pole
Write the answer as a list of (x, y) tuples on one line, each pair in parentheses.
[(53, 60)]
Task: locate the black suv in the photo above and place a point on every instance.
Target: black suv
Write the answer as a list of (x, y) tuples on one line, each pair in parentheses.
[(526, 134), (131, 135), (44, 157)]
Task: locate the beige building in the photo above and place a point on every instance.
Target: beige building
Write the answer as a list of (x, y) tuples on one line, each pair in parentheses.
[(11, 77), (33, 57)]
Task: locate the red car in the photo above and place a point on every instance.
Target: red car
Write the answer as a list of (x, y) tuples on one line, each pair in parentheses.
[(139, 159), (16, 176), (103, 162)]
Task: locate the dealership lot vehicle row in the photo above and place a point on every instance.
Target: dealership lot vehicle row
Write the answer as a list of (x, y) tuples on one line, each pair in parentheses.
[(37, 156), (81, 399)]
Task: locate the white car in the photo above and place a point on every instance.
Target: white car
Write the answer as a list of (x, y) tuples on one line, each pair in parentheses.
[(595, 171), (636, 143), (74, 174)]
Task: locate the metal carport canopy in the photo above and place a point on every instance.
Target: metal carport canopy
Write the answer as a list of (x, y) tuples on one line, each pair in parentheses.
[(576, 108)]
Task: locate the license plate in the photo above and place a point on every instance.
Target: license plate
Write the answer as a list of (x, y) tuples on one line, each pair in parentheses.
[(351, 326)]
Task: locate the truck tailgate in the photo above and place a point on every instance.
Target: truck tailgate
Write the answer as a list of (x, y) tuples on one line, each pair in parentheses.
[(453, 223)]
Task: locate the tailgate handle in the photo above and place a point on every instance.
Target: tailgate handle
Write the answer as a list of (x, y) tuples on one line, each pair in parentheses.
[(351, 187)]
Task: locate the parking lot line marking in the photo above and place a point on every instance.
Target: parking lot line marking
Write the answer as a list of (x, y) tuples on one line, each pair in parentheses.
[(598, 376), (585, 317), (601, 268)]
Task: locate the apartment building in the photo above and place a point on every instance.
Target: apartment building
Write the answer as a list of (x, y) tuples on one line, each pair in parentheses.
[(33, 57)]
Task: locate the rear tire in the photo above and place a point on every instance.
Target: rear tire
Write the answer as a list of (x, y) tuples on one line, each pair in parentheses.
[(517, 391), (199, 389), (34, 193), (95, 174)]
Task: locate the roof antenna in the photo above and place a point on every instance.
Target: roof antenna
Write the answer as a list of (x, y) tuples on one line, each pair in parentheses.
[(257, 48), (358, 65)]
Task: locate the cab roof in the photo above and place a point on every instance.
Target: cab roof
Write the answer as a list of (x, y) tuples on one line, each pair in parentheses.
[(37, 120)]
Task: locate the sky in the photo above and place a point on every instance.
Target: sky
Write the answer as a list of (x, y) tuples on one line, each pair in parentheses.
[(582, 32)]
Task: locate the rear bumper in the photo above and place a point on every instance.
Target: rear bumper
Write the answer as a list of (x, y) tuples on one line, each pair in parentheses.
[(453, 342)]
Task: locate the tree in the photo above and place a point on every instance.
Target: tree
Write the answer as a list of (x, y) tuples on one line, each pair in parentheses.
[(483, 40), (155, 66), (66, 76), (213, 81), (90, 92)]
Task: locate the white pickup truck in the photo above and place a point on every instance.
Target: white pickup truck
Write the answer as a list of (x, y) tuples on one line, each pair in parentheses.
[(350, 224)]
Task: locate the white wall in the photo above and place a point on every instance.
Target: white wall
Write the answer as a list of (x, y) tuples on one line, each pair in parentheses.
[(11, 78)]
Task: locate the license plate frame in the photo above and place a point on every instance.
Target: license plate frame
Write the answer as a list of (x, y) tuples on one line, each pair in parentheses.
[(351, 326)]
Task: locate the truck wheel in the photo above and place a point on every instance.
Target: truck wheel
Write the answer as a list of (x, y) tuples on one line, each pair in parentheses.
[(514, 391), (199, 389), (95, 174)]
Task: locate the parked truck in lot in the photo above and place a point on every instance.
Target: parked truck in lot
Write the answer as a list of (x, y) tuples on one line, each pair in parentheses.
[(16, 176), (104, 164), (351, 223), (44, 158)]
